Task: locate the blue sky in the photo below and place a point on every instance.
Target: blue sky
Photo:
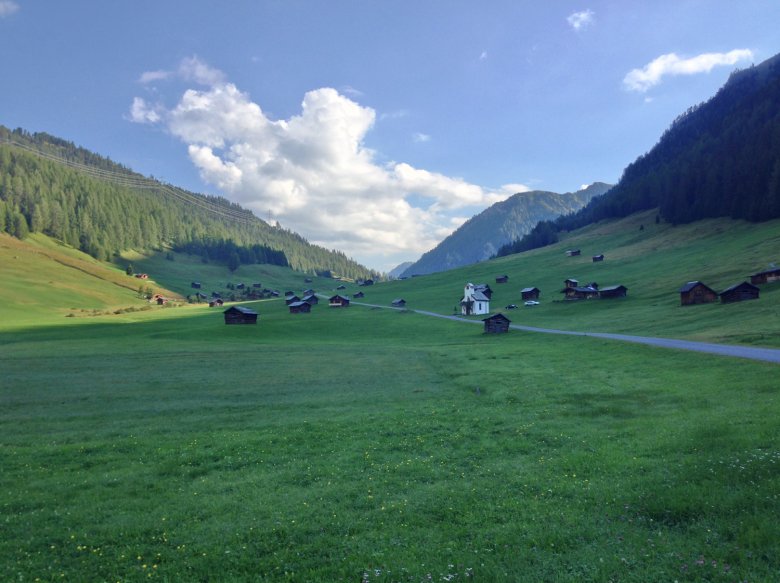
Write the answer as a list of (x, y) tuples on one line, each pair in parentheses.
[(372, 127)]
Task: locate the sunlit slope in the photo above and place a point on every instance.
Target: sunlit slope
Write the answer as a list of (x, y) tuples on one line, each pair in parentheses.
[(42, 282), (652, 260)]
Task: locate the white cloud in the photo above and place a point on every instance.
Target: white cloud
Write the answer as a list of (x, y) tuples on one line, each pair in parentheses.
[(142, 112), (670, 64), (313, 171), (193, 69), (580, 20), (421, 138), (7, 8), (152, 76), (483, 56)]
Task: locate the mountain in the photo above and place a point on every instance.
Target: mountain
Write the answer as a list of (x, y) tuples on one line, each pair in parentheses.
[(481, 236), (398, 270), (51, 186), (720, 158)]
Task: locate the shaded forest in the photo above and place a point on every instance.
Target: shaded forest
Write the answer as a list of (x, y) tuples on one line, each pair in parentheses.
[(718, 159), (50, 186)]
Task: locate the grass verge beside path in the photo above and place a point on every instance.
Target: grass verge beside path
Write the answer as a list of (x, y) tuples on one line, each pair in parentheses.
[(371, 444)]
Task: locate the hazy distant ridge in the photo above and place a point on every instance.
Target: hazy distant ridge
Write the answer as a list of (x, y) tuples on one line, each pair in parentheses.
[(481, 236)]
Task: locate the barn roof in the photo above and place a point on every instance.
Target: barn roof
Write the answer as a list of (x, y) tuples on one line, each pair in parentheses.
[(742, 285), (613, 288), (529, 289), (497, 317), (692, 284), (298, 304), (242, 309)]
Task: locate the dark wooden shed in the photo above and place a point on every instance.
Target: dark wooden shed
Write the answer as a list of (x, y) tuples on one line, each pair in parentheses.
[(766, 276), (580, 293), (573, 252), (739, 293), (291, 299), (497, 324), (311, 299), (240, 315), (695, 292), (502, 279), (613, 291), (358, 295), (195, 285), (216, 303), (300, 307), (399, 303), (338, 302), (597, 258), (530, 293)]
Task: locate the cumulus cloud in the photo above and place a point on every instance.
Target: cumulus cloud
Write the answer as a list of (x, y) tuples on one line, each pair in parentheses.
[(143, 112), (313, 171), (7, 8), (670, 64), (580, 20)]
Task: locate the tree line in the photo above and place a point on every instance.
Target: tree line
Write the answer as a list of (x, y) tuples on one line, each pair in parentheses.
[(718, 159), (40, 194)]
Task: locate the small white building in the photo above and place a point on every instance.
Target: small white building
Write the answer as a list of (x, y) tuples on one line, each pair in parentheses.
[(474, 301)]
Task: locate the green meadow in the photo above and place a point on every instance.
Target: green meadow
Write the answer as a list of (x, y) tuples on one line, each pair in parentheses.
[(366, 444)]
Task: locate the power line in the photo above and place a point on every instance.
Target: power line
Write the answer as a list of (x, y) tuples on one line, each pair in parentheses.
[(135, 181)]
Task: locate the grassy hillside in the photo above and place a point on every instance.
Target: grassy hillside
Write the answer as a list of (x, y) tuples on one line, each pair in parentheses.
[(652, 260), (374, 445), (42, 281)]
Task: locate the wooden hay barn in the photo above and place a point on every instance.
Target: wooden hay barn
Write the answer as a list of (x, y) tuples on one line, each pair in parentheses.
[(291, 299), (358, 295), (338, 302), (502, 279), (240, 315), (216, 302), (695, 292), (195, 285), (767, 276), (613, 291), (300, 308), (570, 282), (497, 324), (399, 303), (573, 252), (530, 293), (311, 299), (597, 258), (739, 293), (580, 293)]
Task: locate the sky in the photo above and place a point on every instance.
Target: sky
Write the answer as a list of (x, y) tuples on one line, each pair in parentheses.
[(375, 128)]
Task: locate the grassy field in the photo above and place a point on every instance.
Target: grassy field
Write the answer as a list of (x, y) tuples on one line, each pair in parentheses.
[(652, 262), (376, 445)]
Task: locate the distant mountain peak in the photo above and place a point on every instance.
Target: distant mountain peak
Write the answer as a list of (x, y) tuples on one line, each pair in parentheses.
[(481, 236)]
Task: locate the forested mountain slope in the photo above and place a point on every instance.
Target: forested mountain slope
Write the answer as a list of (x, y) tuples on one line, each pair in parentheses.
[(720, 158), (481, 236), (50, 186)]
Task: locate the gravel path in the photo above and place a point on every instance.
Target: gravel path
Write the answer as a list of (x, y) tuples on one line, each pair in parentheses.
[(749, 352)]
